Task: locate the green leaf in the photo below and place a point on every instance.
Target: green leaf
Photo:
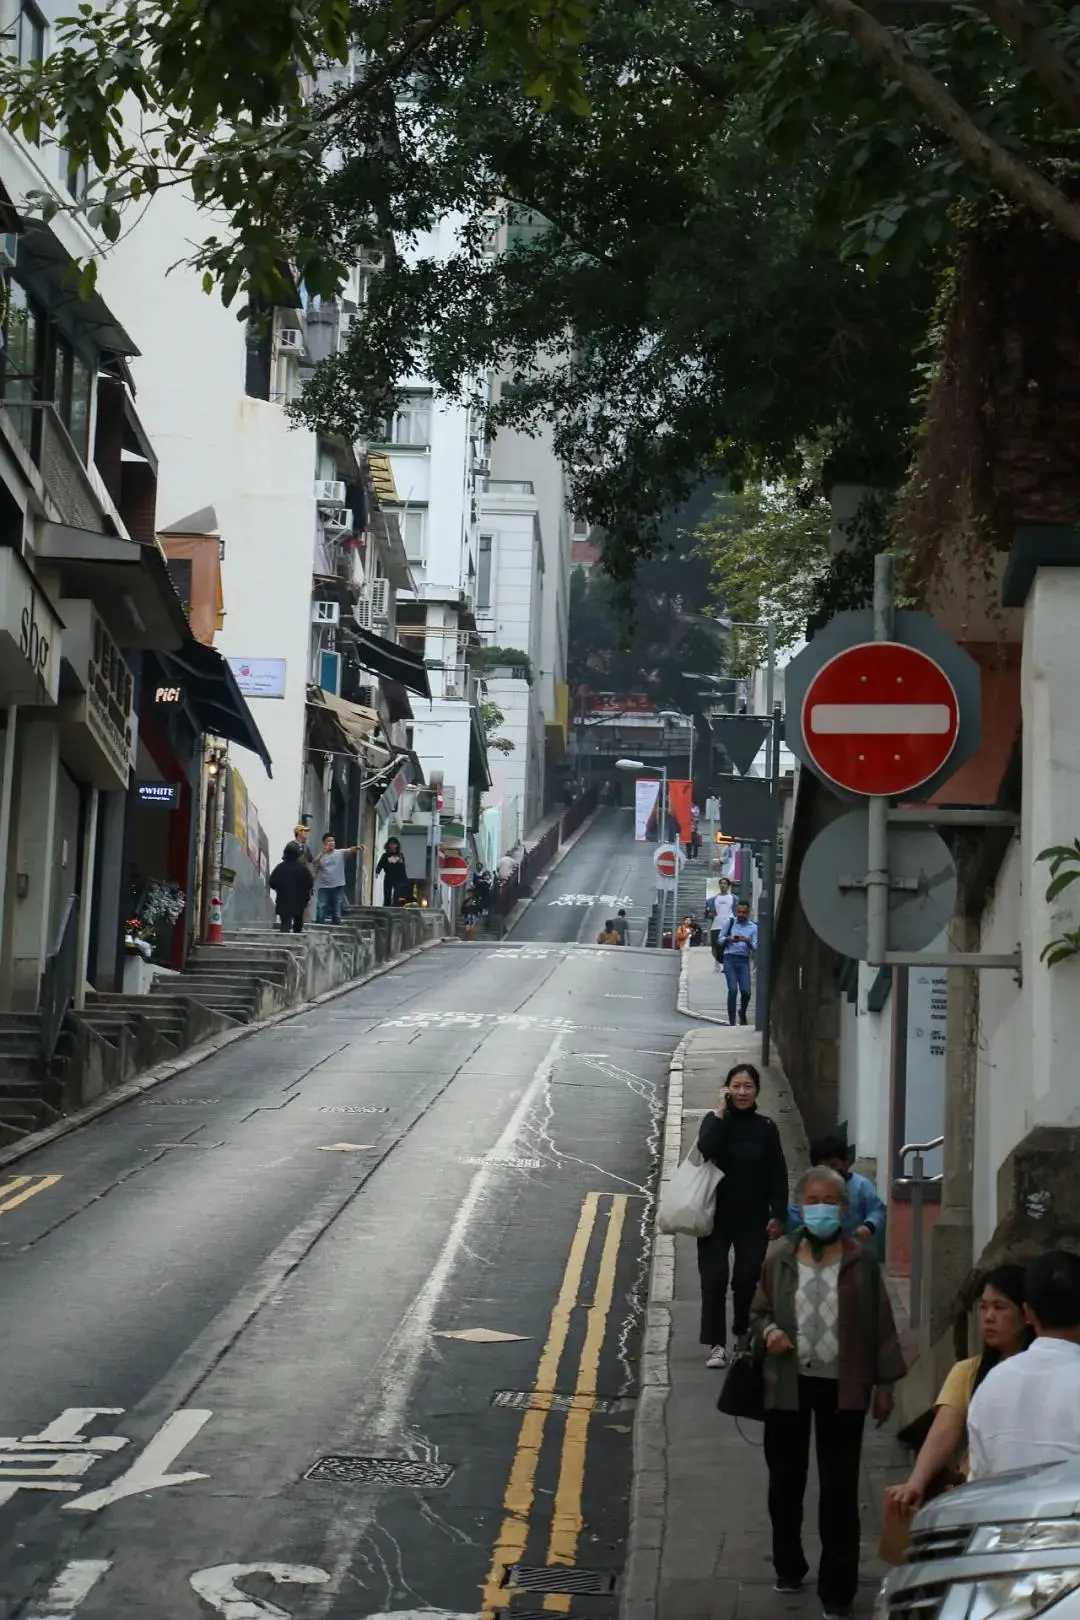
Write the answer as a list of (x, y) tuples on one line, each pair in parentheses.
[(1062, 882)]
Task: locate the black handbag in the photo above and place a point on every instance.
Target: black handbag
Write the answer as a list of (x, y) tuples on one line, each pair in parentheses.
[(743, 1394)]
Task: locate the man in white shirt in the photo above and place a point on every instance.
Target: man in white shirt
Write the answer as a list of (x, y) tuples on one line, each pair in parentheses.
[(721, 906), (1027, 1410)]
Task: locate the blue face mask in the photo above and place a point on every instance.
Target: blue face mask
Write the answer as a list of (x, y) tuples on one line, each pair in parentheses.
[(821, 1220)]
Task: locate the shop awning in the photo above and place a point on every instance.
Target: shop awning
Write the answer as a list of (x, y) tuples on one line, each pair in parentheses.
[(211, 690), (336, 726), (388, 658), (135, 575)]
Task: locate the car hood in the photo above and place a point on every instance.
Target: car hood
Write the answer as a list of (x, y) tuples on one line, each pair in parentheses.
[(1049, 1491)]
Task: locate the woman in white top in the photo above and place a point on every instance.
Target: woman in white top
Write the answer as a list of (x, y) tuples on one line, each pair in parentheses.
[(822, 1316)]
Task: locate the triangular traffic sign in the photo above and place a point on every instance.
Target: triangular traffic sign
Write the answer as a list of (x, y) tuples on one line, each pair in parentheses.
[(741, 736)]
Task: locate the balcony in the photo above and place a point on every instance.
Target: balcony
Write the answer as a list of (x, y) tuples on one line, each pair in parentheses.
[(506, 486), (455, 683)]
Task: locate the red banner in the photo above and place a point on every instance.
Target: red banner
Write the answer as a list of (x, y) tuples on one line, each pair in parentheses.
[(680, 795)]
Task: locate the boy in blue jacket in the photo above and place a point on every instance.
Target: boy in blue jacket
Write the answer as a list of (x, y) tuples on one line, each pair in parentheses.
[(864, 1216)]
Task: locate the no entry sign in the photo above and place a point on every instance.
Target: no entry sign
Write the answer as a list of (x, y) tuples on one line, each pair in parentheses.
[(453, 868), (880, 718), (668, 860)]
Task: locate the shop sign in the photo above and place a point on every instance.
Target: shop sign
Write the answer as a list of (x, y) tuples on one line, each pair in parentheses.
[(166, 794), (99, 726), (259, 677), (30, 631)]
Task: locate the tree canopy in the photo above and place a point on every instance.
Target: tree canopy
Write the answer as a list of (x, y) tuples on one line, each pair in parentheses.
[(723, 221)]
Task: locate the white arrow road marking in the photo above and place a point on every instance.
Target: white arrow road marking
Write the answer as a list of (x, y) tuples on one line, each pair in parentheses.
[(881, 719), (217, 1586), (348, 1147), (74, 1582), (149, 1471)]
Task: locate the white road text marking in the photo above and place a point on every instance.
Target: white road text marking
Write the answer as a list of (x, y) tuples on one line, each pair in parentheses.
[(74, 1582), (217, 1586), (149, 1471)]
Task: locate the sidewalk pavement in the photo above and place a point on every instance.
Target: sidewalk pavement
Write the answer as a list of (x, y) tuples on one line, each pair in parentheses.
[(700, 1535), (703, 989)]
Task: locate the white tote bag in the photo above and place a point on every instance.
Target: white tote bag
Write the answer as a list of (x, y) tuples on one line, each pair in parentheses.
[(688, 1202)]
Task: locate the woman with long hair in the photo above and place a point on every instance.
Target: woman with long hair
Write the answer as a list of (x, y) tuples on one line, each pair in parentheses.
[(1004, 1333), (751, 1202)]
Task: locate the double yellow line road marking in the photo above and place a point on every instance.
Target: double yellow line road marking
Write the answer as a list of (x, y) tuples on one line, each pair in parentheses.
[(17, 1189), (520, 1491)]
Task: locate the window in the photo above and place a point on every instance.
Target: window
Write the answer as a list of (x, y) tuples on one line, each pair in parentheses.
[(23, 346), (483, 577), (414, 534), (29, 34), (72, 387), (411, 422)]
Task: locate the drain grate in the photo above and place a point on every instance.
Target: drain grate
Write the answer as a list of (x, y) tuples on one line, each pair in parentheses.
[(342, 1470), (559, 1578), (350, 1108), (528, 1400)]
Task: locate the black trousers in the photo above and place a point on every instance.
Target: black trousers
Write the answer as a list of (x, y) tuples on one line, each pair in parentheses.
[(749, 1242), (291, 922), (838, 1439)]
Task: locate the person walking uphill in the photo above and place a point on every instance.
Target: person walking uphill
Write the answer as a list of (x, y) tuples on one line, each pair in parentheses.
[(750, 1205), (738, 943), (291, 882), (330, 879), (391, 864), (823, 1318)]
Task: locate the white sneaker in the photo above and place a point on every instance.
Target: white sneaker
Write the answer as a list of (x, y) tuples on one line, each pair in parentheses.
[(717, 1357)]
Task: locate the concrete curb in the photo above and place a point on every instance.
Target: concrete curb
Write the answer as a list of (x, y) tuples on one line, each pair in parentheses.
[(683, 1003), (197, 1054), (556, 860), (648, 1490)]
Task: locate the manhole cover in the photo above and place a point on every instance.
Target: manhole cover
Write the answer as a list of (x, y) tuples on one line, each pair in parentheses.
[(558, 1578), (526, 1400), (350, 1108), (380, 1471)]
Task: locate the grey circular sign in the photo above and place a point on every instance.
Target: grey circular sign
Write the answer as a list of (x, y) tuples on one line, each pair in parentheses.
[(833, 893)]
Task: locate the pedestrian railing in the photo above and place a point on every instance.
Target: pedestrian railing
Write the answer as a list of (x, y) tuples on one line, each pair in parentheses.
[(917, 1183), (58, 979)]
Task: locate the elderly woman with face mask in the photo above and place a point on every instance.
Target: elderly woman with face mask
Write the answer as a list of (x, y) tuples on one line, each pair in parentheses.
[(823, 1318)]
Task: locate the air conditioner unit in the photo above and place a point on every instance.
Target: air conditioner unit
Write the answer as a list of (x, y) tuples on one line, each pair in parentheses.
[(451, 689), (326, 613), (290, 340), (336, 517), (379, 592), (365, 696), (362, 613), (330, 491), (330, 672)]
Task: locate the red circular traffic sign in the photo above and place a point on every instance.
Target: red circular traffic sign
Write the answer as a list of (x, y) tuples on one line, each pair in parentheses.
[(880, 718), (666, 862), (453, 868)]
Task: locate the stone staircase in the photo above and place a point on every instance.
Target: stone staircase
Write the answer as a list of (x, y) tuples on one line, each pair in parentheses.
[(28, 1099)]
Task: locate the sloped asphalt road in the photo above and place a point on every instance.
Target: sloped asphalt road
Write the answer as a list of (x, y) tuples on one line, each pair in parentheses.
[(255, 1268)]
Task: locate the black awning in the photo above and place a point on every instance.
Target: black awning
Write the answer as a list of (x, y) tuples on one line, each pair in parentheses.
[(211, 690), (388, 658)]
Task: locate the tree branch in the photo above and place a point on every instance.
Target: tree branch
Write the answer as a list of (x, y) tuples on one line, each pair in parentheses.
[(1023, 26), (1013, 177)]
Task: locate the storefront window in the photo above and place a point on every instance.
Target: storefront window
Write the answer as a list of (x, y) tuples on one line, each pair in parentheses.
[(78, 422)]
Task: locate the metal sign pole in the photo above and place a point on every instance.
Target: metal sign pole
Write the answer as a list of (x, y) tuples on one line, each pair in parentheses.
[(877, 850), (768, 913)]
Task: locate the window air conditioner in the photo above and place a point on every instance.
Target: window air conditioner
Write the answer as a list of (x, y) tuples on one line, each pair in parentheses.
[(336, 517), (290, 340), (325, 613), (362, 613), (379, 593), (330, 491)]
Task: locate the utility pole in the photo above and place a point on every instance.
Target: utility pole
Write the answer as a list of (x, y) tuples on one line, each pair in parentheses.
[(877, 853)]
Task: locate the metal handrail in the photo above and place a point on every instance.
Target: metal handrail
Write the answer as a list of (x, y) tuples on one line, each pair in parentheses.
[(58, 979), (917, 1181)]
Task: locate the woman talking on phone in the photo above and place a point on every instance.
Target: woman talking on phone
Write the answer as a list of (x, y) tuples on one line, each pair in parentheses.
[(751, 1202)]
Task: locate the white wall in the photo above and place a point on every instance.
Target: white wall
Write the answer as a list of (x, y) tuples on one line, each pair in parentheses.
[(1003, 1055), (517, 778), (219, 448), (864, 1074)]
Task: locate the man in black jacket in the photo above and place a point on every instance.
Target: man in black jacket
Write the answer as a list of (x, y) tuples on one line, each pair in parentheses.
[(292, 882), (751, 1205)]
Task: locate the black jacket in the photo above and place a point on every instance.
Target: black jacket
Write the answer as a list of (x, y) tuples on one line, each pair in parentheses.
[(292, 884), (746, 1147)]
